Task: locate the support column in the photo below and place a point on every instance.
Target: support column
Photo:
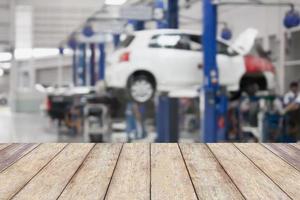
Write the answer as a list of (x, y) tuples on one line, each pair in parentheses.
[(211, 81), (81, 69), (167, 126), (172, 14), (116, 38), (13, 70), (60, 67), (101, 71), (92, 65), (74, 66)]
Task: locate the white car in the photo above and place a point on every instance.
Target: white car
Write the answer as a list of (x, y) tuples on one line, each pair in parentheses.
[(170, 59)]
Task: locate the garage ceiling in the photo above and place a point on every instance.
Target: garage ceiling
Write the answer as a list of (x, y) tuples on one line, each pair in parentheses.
[(54, 20)]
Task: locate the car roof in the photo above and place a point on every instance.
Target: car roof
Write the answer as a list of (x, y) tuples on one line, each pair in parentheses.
[(161, 31), (150, 32)]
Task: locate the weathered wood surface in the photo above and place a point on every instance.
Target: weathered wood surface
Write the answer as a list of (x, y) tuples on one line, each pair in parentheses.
[(2, 146), (169, 176), (202, 165), (12, 153), (131, 178), (252, 182), (288, 152), (283, 174), (16, 176), (92, 180), (149, 171)]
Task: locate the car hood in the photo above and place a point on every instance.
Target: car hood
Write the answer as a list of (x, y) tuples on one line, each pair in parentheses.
[(245, 41)]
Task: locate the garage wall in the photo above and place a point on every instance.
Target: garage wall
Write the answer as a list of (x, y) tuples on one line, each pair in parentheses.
[(4, 84), (49, 76)]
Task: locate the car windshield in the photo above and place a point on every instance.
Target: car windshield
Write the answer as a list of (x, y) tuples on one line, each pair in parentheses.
[(126, 40)]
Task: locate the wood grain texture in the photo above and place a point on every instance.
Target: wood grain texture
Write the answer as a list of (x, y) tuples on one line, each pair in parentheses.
[(288, 152), (283, 174), (51, 181), (2, 146), (297, 145), (210, 180), (252, 182), (14, 152), (92, 181), (16, 176), (131, 178), (169, 177)]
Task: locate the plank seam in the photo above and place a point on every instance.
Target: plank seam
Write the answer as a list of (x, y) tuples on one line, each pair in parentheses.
[(37, 145), (150, 169), (38, 172), (76, 171), (262, 171), (295, 145), (9, 144), (187, 169), (112, 175), (281, 157), (216, 158)]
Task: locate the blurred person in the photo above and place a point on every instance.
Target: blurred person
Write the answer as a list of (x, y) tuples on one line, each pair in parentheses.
[(291, 99), (292, 113)]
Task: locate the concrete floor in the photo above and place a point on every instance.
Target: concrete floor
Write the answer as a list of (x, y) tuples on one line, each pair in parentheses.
[(35, 128)]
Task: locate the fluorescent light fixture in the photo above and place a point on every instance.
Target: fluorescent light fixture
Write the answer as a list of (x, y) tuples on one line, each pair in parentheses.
[(115, 2), (5, 56), (1, 72), (5, 65)]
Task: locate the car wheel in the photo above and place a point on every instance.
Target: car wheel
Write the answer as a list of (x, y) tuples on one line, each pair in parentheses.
[(141, 88)]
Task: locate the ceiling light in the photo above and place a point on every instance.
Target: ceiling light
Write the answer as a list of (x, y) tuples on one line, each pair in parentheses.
[(5, 56), (115, 2), (1, 72)]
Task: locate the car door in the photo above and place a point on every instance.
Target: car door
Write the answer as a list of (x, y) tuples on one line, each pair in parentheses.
[(231, 67), (176, 63)]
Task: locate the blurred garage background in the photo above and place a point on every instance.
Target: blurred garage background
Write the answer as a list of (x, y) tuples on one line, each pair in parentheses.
[(54, 55)]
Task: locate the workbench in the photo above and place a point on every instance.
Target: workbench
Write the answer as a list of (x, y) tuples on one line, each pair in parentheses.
[(149, 171)]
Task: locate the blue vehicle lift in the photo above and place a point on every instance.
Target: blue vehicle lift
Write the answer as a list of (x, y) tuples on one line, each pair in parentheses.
[(214, 119), (92, 64), (211, 79), (214, 127), (101, 71), (167, 119)]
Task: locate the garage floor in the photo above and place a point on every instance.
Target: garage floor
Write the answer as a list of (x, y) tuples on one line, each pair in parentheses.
[(33, 128), (150, 171)]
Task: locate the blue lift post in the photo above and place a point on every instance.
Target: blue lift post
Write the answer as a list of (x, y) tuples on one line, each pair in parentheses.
[(101, 71), (116, 40), (92, 64), (210, 130), (137, 24), (81, 68), (74, 66), (167, 108)]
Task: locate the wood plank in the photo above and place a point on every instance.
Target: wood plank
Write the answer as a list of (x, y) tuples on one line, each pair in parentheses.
[(2, 146), (169, 176), (288, 152), (297, 145), (92, 181), (51, 181), (252, 182), (16, 176), (14, 152), (210, 180), (131, 179), (283, 174)]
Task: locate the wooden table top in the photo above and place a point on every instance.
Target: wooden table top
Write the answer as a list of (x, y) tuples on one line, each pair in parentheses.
[(149, 171)]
